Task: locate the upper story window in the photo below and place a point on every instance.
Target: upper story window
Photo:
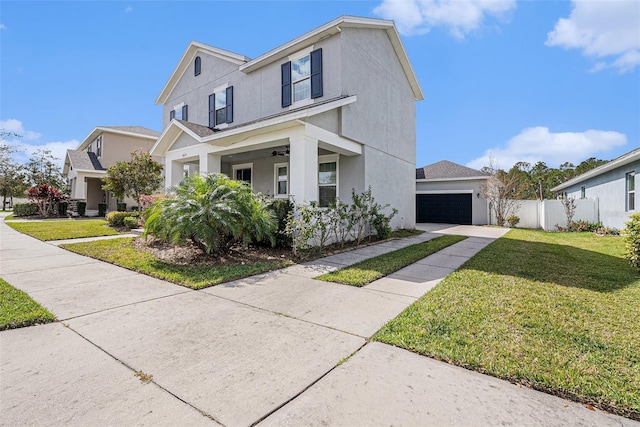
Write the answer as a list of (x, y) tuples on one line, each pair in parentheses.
[(302, 78), (179, 112), (197, 64), (221, 107), (630, 179), (90, 148), (99, 146)]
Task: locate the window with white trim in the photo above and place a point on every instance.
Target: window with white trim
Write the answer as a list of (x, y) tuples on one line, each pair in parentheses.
[(197, 65), (179, 112), (99, 146), (327, 183), (630, 179), (90, 148), (583, 192), (243, 172), (221, 106), (281, 180), (301, 78)]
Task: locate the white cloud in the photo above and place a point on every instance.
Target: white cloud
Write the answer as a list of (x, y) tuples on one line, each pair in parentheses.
[(459, 16), (602, 30), (128, 9), (25, 149), (3, 27), (538, 144)]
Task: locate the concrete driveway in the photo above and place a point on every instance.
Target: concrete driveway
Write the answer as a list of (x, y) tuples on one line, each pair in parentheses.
[(266, 349)]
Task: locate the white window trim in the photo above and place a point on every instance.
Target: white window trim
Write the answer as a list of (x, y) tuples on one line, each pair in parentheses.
[(301, 53), (220, 88), (217, 90), (234, 168), (330, 158), (275, 180), (99, 146), (176, 108), (294, 57), (627, 175)]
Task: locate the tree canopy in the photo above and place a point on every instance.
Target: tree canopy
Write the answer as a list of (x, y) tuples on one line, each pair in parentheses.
[(141, 175)]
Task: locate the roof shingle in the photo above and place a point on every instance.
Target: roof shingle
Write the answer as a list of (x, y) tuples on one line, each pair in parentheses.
[(446, 170), (83, 160)]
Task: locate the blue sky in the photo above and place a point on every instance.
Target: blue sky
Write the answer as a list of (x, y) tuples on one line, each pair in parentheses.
[(517, 81)]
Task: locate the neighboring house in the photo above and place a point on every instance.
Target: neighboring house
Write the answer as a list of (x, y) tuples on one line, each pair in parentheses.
[(612, 184), (330, 111), (450, 193), (85, 166)]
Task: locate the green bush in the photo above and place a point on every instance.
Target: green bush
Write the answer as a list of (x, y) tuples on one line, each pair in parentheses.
[(81, 207), (131, 222), (281, 208), (62, 208), (24, 209), (116, 218), (102, 209), (632, 240), (121, 207), (513, 220)]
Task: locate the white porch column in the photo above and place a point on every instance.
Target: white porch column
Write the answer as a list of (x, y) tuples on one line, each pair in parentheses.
[(173, 173), (210, 163), (303, 165)]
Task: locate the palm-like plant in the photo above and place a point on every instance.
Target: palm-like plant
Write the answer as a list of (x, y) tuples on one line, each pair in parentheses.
[(212, 211)]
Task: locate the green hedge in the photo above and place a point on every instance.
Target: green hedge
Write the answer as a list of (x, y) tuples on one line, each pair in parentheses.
[(24, 209), (116, 218), (81, 207), (131, 222)]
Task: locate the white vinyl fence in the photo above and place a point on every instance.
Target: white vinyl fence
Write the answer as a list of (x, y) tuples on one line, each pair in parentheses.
[(547, 214)]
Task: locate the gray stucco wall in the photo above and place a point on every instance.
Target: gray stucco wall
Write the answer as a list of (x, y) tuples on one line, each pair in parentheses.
[(479, 205), (610, 189)]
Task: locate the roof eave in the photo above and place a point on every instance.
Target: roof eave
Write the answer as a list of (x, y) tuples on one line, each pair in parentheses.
[(466, 178), (99, 129), (631, 156)]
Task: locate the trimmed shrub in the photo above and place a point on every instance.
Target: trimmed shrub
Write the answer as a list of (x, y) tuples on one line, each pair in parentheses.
[(131, 222), (281, 208), (81, 207), (116, 218), (632, 240), (102, 209), (121, 207), (24, 209), (513, 220), (62, 208)]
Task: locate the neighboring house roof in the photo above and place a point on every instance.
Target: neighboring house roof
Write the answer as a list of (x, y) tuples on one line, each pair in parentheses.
[(331, 28), (133, 131), (204, 134), (82, 161), (447, 171), (625, 159)]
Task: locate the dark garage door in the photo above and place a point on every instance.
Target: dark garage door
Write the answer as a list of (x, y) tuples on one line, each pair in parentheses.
[(443, 208)]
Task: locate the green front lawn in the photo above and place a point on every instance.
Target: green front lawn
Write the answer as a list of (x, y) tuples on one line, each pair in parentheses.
[(17, 309), (121, 252), (559, 312), (64, 229), (365, 272)]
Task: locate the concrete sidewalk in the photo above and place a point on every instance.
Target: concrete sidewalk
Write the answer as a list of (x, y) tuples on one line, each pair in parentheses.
[(267, 348)]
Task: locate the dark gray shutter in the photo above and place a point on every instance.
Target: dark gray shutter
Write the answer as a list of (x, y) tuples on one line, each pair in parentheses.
[(172, 114), (229, 112), (185, 111), (286, 84), (196, 70), (316, 73), (212, 110)]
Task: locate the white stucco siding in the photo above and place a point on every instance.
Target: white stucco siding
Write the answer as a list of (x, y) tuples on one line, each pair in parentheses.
[(611, 190), (479, 208)]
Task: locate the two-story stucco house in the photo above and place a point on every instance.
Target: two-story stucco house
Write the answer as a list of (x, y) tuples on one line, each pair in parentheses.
[(330, 111), (85, 166), (612, 184)]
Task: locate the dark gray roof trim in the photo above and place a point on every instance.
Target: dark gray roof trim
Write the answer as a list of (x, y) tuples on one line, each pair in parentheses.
[(447, 170), (81, 160)]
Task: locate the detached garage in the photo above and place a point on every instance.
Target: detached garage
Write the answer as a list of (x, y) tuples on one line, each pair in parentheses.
[(449, 193)]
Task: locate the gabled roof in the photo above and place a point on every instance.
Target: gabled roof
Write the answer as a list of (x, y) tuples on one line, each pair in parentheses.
[(331, 28), (186, 60), (82, 161), (625, 159), (133, 131), (446, 171)]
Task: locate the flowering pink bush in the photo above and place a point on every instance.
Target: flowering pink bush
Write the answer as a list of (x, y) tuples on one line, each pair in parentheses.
[(45, 198)]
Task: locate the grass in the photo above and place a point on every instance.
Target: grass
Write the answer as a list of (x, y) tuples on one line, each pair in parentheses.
[(121, 252), (401, 233), (365, 272), (554, 311), (64, 229), (9, 217), (18, 310)]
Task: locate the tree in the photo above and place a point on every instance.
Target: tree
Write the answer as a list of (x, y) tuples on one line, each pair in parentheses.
[(141, 175), (43, 168), (213, 212), (590, 163), (500, 191), (12, 176)]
